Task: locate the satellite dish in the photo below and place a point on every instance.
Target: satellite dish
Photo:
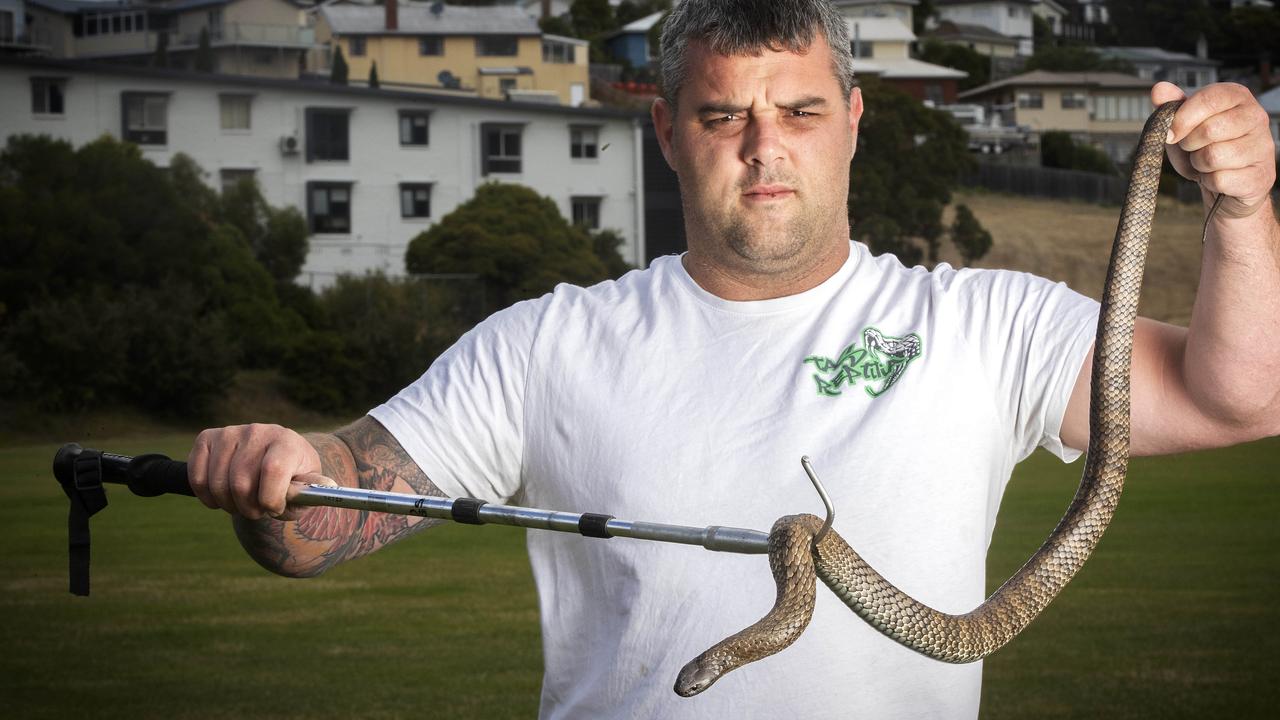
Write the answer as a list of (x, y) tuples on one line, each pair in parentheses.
[(447, 79), (437, 8)]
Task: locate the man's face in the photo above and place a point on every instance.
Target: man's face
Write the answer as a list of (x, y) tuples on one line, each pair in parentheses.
[(762, 147)]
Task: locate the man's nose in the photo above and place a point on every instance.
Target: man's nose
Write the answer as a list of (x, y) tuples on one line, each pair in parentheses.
[(762, 142)]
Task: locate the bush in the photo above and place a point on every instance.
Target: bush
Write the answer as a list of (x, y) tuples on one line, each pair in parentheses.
[(967, 234), (1058, 150)]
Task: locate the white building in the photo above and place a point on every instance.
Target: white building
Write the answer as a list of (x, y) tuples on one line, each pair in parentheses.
[(1011, 18), (1270, 101), (370, 169)]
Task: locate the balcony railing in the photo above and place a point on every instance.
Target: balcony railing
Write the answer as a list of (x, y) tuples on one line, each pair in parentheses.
[(247, 34)]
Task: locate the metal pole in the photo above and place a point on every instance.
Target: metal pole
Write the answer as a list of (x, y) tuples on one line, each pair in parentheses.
[(478, 512)]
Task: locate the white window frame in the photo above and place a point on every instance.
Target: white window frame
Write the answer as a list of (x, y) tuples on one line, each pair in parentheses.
[(229, 116)]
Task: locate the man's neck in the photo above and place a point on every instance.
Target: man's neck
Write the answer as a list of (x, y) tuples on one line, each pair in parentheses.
[(740, 283)]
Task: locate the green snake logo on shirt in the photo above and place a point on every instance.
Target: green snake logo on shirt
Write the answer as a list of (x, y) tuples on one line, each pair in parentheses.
[(880, 362)]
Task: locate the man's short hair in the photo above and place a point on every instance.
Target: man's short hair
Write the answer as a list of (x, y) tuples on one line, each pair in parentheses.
[(749, 27)]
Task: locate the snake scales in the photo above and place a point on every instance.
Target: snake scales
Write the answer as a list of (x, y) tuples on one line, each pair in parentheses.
[(795, 558)]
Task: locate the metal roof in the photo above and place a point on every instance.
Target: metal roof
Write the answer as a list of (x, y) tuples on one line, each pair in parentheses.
[(1152, 55), (879, 28), (419, 20), (1042, 78)]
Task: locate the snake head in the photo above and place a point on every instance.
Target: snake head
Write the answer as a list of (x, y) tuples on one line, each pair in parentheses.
[(694, 678)]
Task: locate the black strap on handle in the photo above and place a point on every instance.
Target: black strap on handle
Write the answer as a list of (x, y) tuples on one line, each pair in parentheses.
[(83, 486)]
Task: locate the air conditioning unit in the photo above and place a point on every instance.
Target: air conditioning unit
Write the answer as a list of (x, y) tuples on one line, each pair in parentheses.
[(289, 145)]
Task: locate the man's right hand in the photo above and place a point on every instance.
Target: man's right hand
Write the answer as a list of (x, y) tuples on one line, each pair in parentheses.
[(247, 470)]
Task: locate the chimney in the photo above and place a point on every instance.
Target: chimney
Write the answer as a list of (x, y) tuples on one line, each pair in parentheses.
[(1264, 70), (1202, 47), (546, 9), (393, 16)]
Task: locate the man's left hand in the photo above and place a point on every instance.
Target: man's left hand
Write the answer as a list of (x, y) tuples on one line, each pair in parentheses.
[(1221, 138)]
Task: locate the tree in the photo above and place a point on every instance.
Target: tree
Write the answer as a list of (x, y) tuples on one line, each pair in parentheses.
[(967, 234), (909, 158), (1075, 58), (1059, 150), (959, 57), (204, 53), (920, 16), (338, 74), (373, 75), (514, 239)]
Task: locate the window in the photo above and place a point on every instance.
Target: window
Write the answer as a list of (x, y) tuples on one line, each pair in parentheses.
[(501, 149), (235, 111), (414, 128), (415, 200), (586, 212), (496, 45), (933, 93), (329, 207), (554, 51), (583, 142), (7, 26), (327, 134), (431, 45), (47, 96), (357, 46), (1032, 100), (230, 177), (1073, 100), (146, 118), (506, 85), (1191, 79), (862, 49)]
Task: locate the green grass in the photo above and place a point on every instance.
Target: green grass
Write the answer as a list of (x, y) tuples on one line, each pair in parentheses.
[(1175, 616)]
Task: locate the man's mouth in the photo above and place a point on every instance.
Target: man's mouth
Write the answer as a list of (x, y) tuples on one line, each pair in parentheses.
[(761, 193)]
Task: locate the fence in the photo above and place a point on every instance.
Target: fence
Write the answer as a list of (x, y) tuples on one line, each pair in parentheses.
[(1063, 184)]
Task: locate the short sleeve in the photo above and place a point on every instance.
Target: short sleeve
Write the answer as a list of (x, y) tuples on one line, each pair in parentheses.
[(462, 422), (1032, 336)]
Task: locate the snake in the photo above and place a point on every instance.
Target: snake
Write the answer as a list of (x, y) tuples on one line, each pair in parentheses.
[(801, 549)]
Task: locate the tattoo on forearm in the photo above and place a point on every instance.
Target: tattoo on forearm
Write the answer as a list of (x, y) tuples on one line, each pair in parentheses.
[(362, 454)]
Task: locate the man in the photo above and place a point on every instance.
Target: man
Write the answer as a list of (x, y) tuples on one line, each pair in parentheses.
[(687, 393)]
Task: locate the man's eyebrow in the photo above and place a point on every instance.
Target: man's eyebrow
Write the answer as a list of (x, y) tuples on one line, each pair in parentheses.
[(721, 109), (802, 103), (809, 101)]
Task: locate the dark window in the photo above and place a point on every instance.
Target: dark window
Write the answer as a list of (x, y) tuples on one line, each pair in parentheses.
[(583, 142), (506, 85), (496, 45), (1073, 101), (430, 45), (327, 135), (146, 118), (357, 46), (46, 96), (556, 52), (1032, 100), (586, 212), (329, 207), (231, 177), (934, 94), (415, 200), (501, 148), (862, 49), (414, 128)]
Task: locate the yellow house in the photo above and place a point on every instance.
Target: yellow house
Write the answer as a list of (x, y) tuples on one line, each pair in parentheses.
[(492, 52), (1105, 109)]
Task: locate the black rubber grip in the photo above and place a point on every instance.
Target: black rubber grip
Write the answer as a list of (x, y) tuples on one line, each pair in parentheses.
[(595, 525), (151, 475), (467, 511)]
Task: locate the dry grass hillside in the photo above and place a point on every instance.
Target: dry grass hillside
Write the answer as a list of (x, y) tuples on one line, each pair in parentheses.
[(1071, 242)]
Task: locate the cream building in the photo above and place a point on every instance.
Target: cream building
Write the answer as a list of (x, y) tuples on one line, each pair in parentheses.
[(493, 52), (1106, 110)]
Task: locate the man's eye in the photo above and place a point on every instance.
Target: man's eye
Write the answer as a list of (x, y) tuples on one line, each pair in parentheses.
[(801, 113), (726, 118)]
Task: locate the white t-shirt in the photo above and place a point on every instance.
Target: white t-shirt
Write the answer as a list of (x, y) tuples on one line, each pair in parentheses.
[(649, 399)]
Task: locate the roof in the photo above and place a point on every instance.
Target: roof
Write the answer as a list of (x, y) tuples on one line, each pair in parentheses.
[(851, 3), (1153, 55), (881, 29), (643, 25), (944, 3), (1042, 78), (419, 20), (69, 7), (323, 86), (905, 68), (949, 29)]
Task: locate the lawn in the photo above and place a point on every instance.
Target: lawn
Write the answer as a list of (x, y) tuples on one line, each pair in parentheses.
[(1175, 616)]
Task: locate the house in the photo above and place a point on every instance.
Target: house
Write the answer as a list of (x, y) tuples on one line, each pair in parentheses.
[(1011, 18), (1189, 72), (15, 36), (1106, 110), (901, 10), (882, 47), (369, 168), (978, 38), (493, 52), (1270, 101), (250, 37), (631, 42)]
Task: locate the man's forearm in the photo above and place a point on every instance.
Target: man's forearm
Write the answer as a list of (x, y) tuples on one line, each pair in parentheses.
[(1231, 365), (315, 540)]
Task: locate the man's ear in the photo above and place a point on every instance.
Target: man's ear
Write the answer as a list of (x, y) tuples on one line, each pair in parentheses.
[(855, 114), (664, 123)]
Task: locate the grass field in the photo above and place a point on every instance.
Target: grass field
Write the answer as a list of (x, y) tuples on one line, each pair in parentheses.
[(1175, 616)]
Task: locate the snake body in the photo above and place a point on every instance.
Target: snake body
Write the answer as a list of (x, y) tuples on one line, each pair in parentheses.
[(796, 559)]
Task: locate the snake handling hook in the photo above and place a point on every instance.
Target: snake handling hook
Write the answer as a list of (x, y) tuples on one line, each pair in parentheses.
[(826, 500)]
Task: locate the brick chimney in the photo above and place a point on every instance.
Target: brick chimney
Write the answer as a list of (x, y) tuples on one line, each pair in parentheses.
[(546, 9), (393, 14)]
